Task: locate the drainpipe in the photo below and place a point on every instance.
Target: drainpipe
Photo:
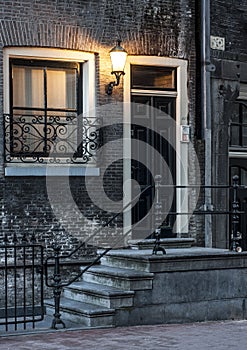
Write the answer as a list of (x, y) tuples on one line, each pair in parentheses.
[(206, 68)]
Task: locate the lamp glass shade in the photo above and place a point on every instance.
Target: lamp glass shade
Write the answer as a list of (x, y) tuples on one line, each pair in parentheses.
[(118, 58)]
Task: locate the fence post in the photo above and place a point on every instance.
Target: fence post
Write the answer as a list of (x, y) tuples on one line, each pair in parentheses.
[(235, 216), (57, 289), (158, 216)]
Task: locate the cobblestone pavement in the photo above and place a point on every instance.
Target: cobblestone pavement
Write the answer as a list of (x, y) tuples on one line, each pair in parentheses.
[(197, 336)]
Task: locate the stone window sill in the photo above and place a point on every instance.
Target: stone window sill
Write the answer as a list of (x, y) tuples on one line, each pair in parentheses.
[(41, 170)]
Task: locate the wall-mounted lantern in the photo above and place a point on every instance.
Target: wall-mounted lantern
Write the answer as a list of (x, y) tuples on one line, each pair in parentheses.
[(118, 59)]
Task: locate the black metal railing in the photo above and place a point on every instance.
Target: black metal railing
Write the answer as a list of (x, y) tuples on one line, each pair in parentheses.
[(57, 284), (233, 212), (56, 138), (21, 270)]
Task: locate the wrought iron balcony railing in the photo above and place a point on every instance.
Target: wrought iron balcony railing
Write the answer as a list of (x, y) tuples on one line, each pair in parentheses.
[(62, 139)]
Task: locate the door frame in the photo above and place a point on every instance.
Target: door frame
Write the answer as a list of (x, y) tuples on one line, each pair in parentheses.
[(181, 225)]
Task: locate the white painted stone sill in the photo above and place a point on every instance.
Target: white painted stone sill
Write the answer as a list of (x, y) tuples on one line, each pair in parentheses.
[(56, 170)]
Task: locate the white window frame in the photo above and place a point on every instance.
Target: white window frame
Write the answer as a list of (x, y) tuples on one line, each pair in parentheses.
[(181, 119), (88, 88)]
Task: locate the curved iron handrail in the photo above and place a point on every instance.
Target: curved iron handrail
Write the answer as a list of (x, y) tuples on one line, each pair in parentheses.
[(85, 242), (58, 285)]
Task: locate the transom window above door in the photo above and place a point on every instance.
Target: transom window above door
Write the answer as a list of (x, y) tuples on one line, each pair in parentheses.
[(153, 78)]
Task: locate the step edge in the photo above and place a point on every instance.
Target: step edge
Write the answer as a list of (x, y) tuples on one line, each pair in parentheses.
[(121, 273), (74, 308), (103, 293), (118, 269)]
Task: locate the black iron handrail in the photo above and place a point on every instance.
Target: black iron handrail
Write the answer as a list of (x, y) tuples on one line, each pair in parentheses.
[(58, 285), (83, 244)]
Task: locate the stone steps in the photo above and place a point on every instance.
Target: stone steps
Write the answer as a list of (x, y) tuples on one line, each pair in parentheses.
[(113, 259), (81, 313), (134, 287), (98, 294), (127, 279), (102, 292)]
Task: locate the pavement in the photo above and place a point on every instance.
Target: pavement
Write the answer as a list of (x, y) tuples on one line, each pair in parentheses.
[(196, 336)]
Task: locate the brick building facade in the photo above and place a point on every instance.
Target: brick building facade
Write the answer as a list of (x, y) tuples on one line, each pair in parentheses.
[(154, 33), (228, 90)]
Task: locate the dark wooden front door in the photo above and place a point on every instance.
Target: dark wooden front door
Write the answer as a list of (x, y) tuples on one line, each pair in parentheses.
[(238, 166), (150, 123)]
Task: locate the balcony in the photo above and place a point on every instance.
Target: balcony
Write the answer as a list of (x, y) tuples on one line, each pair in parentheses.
[(51, 139)]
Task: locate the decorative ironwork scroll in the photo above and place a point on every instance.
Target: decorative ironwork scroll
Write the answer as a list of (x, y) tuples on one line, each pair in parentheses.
[(63, 139)]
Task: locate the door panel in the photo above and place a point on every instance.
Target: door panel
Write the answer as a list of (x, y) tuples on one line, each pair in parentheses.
[(238, 167), (149, 113)]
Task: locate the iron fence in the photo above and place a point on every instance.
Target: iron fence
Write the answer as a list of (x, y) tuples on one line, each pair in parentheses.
[(21, 270)]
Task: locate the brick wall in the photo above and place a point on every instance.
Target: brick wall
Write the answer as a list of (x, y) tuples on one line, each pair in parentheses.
[(228, 20), (150, 27)]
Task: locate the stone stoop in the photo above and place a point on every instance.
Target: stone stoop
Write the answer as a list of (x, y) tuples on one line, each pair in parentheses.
[(103, 291), (135, 287)]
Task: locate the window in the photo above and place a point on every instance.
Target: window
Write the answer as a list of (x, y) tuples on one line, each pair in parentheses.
[(238, 126), (153, 78), (48, 94), (45, 105)]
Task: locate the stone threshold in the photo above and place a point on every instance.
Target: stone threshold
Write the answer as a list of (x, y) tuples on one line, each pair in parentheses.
[(180, 259), (164, 243)]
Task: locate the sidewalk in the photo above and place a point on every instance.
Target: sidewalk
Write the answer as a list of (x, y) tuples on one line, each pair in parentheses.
[(197, 336)]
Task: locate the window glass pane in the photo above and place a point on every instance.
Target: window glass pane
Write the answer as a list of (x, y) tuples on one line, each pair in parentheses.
[(152, 77), (244, 111), (28, 87), (235, 141), (244, 137), (44, 96), (61, 88), (235, 113), (244, 133), (243, 176)]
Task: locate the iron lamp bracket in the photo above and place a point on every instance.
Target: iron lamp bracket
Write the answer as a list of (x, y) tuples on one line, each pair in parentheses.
[(111, 85)]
